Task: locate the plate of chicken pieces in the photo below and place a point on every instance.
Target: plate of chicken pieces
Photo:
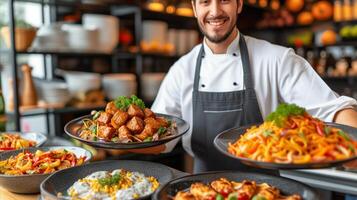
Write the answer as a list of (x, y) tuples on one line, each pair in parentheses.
[(234, 186), (126, 124)]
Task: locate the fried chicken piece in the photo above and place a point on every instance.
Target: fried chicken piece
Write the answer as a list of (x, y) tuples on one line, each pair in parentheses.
[(147, 132), (135, 111), (222, 186), (136, 125), (105, 132), (104, 118), (153, 123), (124, 134), (202, 191), (162, 121), (248, 188), (111, 108), (119, 119), (184, 196), (149, 113)]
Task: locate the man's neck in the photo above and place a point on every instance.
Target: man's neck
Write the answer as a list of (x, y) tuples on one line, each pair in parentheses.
[(221, 48)]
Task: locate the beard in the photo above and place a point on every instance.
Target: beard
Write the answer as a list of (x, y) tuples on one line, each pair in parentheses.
[(216, 38)]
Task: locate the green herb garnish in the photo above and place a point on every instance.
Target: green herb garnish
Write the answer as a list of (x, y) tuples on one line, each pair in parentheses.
[(283, 112), (148, 139), (267, 133), (233, 196), (327, 130), (110, 180), (124, 102), (115, 139), (344, 135), (96, 115), (257, 197), (350, 146), (161, 130), (93, 129), (219, 197)]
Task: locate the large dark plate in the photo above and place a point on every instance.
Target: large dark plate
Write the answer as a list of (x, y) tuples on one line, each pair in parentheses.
[(62, 180), (39, 138), (27, 184), (286, 186), (72, 129), (230, 136)]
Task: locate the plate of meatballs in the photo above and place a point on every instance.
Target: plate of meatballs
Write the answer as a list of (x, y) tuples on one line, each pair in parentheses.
[(126, 124)]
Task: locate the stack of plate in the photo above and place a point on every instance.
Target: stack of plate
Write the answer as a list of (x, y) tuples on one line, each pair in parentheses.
[(55, 92), (151, 84), (119, 85)]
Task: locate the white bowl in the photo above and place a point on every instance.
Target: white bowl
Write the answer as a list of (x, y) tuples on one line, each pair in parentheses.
[(108, 27), (119, 85), (151, 84), (81, 82), (82, 38)]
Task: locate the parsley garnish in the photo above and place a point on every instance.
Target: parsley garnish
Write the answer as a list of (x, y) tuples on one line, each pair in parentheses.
[(124, 102), (344, 135), (267, 133), (110, 180), (283, 112), (148, 139), (161, 130)]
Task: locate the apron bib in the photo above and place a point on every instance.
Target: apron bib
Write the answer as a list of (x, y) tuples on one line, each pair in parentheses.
[(214, 112)]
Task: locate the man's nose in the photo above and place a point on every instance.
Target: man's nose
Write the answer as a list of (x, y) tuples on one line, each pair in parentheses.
[(215, 8)]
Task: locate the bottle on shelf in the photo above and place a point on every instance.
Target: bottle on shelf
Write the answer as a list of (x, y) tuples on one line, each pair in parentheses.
[(337, 11), (29, 95), (354, 8), (353, 70), (347, 10), (321, 63)]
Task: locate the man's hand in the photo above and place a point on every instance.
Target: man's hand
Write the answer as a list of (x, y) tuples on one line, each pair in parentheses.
[(150, 150), (347, 117)]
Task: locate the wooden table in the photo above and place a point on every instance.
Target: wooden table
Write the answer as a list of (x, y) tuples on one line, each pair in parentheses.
[(6, 195)]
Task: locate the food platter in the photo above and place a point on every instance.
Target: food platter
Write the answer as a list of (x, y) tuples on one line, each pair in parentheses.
[(62, 180), (73, 127), (229, 136), (39, 138), (286, 186), (29, 183)]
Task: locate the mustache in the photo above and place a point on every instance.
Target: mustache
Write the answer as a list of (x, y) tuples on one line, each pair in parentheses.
[(220, 17)]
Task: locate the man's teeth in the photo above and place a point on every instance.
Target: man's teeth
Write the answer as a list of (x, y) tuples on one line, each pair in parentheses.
[(216, 22)]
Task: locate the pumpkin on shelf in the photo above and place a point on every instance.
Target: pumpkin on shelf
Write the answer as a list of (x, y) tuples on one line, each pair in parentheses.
[(322, 10), (294, 5), (305, 18)]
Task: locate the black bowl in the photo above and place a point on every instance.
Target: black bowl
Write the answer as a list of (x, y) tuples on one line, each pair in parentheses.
[(72, 129), (230, 136), (62, 180), (30, 183), (286, 186)]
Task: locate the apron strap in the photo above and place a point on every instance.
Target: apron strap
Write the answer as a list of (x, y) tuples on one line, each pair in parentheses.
[(248, 81), (201, 55)]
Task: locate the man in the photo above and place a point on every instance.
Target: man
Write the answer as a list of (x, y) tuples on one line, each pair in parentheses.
[(234, 80)]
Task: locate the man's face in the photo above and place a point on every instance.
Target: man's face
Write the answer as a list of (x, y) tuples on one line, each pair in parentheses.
[(217, 18)]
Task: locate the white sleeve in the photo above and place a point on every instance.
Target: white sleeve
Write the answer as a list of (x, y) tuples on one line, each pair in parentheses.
[(300, 84), (168, 99)]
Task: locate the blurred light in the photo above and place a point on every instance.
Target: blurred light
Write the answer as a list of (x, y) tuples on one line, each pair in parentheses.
[(184, 9), (155, 5), (171, 9)]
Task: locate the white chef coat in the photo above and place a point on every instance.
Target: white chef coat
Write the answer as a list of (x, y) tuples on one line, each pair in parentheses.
[(279, 76)]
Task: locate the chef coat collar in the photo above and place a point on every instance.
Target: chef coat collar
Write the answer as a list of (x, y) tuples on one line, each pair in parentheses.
[(233, 48)]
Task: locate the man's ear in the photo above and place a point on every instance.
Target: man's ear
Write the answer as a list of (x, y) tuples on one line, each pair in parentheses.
[(194, 7), (240, 6)]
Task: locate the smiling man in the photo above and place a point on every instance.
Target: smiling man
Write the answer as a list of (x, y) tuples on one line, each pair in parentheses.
[(232, 80)]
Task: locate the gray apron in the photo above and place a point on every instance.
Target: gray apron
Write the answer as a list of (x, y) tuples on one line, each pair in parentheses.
[(214, 112)]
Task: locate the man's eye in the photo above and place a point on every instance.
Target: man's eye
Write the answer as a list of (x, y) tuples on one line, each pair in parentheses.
[(225, 1), (203, 2)]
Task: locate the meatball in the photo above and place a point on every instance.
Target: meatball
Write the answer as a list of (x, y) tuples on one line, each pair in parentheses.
[(111, 108), (136, 125), (149, 113), (104, 118), (136, 111), (105, 132), (119, 119)]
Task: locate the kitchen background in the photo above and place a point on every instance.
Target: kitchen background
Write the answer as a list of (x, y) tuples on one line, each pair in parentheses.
[(72, 56)]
